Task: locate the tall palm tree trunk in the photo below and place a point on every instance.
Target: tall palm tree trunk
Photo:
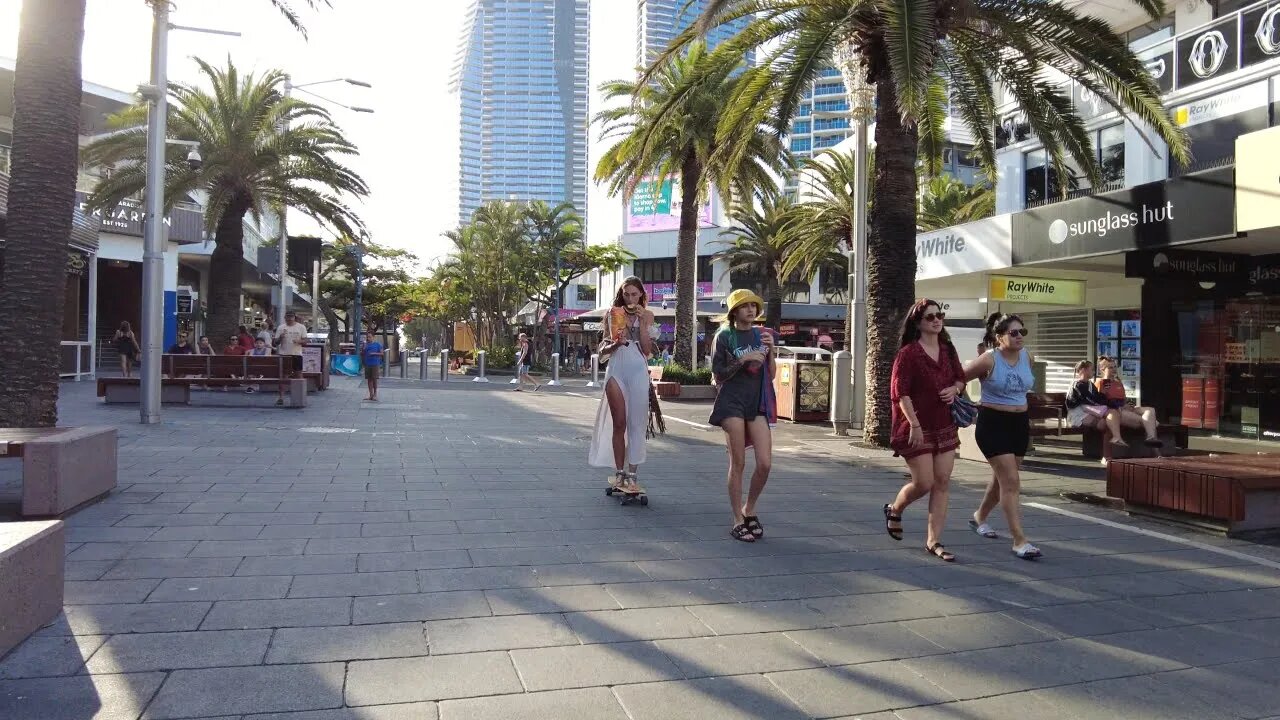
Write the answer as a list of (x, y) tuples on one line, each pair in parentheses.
[(226, 271), (891, 258), (42, 196), (773, 300), (687, 262)]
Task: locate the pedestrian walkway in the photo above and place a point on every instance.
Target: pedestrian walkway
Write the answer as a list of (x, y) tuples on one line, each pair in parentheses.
[(445, 553)]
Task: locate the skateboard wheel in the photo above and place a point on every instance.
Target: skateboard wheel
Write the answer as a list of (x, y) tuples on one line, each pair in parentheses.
[(644, 500), (608, 492)]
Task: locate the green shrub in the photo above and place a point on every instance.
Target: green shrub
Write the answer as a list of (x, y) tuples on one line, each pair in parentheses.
[(501, 357), (681, 374)]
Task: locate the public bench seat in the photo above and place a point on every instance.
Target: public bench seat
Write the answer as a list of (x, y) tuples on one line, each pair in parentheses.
[(62, 467), (179, 373), (32, 569), (1239, 493)]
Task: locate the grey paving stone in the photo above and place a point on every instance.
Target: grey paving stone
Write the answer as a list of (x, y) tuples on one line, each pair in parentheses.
[(975, 632), (169, 520), (522, 556), (247, 614), (563, 598), (589, 704), (261, 587), (469, 578), (87, 569), (342, 546), (1086, 619), (864, 643), (103, 697), (304, 565), (171, 651), (379, 682), (417, 560), (173, 568), (248, 548), (1013, 705), (404, 711), (100, 592), (108, 534), (1248, 689), (392, 516), (668, 593), (145, 617), (1132, 698), (310, 531), (737, 654), (856, 689), (207, 532), (1198, 645), (420, 606), (46, 656), (558, 668), (611, 626), (350, 642), (383, 529), (466, 635), (269, 518), (741, 696), (269, 688), (353, 584)]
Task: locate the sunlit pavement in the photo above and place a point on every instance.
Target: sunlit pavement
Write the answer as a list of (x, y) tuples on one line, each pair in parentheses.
[(446, 553)]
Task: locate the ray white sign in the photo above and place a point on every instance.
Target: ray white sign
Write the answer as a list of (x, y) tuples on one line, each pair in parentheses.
[(973, 247)]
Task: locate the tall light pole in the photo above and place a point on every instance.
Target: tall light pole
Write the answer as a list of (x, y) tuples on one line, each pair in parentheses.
[(862, 109), (555, 289), (289, 87), (357, 251), (153, 241)]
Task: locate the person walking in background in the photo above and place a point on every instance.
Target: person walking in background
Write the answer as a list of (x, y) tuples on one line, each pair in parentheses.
[(127, 345), (291, 338), (371, 356), (618, 440), (927, 378), (742, 363), (203, 347), (1004, 427), (1112, 389), (524, 363)]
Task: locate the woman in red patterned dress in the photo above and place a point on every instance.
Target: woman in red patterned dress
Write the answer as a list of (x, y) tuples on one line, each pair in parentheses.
[(927, 377)]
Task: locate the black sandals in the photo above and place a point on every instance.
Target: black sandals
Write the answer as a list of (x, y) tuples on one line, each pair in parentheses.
[(891, 517), (938, 551), (742, 532), (753, 524)]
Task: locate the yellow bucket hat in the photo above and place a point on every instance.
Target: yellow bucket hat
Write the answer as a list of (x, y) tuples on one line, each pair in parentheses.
[(742, 297)]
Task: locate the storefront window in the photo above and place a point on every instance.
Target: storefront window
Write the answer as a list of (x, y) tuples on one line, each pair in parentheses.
[(1110, 146), (1041, 179), (1230, 365)]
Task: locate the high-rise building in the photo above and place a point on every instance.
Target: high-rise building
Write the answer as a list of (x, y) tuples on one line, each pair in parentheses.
[(521, 81), (662, 20), (822, 118)]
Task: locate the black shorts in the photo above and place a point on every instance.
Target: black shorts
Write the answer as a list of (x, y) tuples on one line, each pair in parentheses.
[(1002, 433), (295, 364), (371, 372)]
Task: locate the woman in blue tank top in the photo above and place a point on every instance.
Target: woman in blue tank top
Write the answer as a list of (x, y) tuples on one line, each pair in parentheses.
[(1003, 429)]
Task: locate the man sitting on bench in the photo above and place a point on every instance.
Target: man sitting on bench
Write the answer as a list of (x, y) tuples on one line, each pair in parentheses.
[(1112, 389)]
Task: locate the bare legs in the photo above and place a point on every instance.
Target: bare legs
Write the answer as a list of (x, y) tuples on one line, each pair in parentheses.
[(1140, 417), (930, 475), (736, 431), (1004, 490), (125, 365), (618, 414)]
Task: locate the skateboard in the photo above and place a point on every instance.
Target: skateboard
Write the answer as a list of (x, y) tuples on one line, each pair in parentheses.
[(625, 496)]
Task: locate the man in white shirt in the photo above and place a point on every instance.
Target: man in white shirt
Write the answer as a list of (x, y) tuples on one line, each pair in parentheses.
[(291, 336)]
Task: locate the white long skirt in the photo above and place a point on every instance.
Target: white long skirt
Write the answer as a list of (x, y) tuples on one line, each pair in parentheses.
[(628, 368)]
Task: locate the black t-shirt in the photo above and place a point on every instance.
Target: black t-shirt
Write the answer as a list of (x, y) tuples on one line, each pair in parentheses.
[(177, 349)]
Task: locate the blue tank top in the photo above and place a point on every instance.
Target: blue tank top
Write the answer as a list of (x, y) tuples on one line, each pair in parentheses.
[(1008, 384)]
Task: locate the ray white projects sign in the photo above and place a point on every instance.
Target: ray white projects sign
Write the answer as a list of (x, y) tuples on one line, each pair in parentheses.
[(978, 246)]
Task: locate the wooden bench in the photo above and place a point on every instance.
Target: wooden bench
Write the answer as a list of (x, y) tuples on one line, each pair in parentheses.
[(1051, 407), (180, 372), (1237, 493), (32, 569), (62, 468), (1097, 444)]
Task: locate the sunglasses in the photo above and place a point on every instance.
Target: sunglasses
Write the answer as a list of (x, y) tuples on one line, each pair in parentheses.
[(1018, 333), (934, 316)]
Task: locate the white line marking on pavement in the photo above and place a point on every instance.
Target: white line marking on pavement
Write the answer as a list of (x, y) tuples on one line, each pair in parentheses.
[(1151, 533), (700, 426)]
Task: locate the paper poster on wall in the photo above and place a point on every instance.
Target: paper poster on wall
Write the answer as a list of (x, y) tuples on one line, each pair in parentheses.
[(1108, 348), (1131, 328), (1130, 348), (1130, 368), (1107, 329)]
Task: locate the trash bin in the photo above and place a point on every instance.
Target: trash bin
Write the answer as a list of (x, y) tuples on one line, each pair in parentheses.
[(803, 383)]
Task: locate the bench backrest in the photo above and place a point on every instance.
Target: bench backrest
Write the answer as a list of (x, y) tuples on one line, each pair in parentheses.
[(1053, 399), (268, 366)]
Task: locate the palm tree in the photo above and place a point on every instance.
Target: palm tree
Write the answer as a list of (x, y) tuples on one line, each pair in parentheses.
[(912, 52), (262, 152), (945, 201), (669, 128), (552, 230), (41, 201), (758, 243)]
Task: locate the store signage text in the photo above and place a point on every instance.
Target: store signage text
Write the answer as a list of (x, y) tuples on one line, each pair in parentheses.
[(128, 218), (1042, 291), (1222, 105), (942, 245), (1060, 230), (973, 247)]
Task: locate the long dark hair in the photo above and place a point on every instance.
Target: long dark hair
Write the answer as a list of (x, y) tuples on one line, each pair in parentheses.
[(634, 281), (997, 325), (911, 324)]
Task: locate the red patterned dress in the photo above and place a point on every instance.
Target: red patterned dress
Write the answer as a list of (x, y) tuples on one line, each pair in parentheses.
[(921, 378)]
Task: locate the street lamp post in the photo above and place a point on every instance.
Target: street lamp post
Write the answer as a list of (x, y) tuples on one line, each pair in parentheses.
[(358, 311), (555, 289), (862, 108), (289, 87)]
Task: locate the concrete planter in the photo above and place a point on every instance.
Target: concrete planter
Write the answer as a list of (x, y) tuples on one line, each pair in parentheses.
[(697, 392)]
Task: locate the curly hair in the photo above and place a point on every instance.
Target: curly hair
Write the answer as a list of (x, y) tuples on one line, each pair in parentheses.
[(911, 323)]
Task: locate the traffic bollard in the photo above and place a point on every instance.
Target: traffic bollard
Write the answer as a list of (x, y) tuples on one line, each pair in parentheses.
[(481, 378), (595, 371), (444, 365), (422, 364), (404, 365), (842, 389), (555, 370)]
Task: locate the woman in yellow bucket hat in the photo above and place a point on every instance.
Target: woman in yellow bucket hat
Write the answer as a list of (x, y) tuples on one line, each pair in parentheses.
[(745, 407)]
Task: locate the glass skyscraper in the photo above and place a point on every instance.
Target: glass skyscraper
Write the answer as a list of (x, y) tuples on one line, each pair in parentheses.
[(521, 81), (662, 20)]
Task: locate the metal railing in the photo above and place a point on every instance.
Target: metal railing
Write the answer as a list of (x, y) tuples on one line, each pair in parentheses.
[(76, 360)]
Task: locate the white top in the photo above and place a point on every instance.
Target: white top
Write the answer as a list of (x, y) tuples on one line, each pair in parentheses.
[(292, 338)]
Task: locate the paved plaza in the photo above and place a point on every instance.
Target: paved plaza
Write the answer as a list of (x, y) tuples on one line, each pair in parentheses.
[(446, 553)]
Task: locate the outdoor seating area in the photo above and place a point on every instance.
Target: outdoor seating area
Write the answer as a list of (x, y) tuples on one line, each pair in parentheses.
[(32, 568), (1233, 493), (62, 468), (180, 373)]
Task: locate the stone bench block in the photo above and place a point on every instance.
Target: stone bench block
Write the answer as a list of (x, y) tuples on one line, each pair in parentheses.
[(132, 393), (67, 469), (32, 565)]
